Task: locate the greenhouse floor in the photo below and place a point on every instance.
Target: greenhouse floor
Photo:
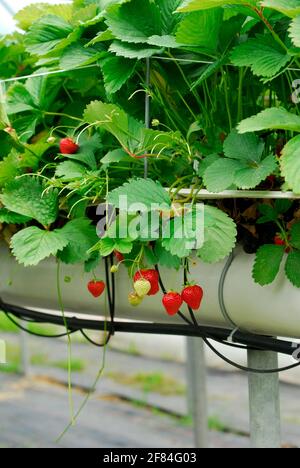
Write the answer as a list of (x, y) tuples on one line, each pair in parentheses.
[(139, 402)]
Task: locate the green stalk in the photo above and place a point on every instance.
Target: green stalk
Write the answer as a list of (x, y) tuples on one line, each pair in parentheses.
[(227, 104), (58, 114), (93, 388), (269, 26), (61, 305), (240, 95)]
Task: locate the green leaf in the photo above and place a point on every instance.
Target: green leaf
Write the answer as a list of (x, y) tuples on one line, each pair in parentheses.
[(116, 156), (210, 70), (81, 235), (181, 234), (166, 41), (8, 169), (193, 5), (146, 192), (135, 21), (76, 55), (252, 175), (150, 257), (219, 235), (107, 245), (31, 245), (134, 51), (267, 263), (265, 57), (269, 213), (290, 8), (31, 13), (282, 206), (165, 258), (88, 146), (69, 170), (43, 90), (220, 175), (131, 134), (19, 99), (102, 36), (110, 117), (10, 217), (290, 164), (200, 29), (92, 263), (294, 30), (28, 197), (295, 236), (244, 166), (168, 19), (275, 118), (207, 162), (116, 72), (244, 147), (292, 268), (46, 34)]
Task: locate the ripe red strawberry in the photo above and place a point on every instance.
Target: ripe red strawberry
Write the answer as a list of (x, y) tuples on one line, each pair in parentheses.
[(96, 288), (68, 146), (120, 257), (192, 295), (172, 303), (278, 240), (152, 276)]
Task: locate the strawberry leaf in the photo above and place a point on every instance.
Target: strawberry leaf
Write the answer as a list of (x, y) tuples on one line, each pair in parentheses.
[(10, 217), (290, 163), (262, 54), (267, 263), (145, 192), (81, 236), (292, 268), (27, 196), (275, 118), (219, 235), (295, 235), (200, 29), (116, 72), (31, 245)]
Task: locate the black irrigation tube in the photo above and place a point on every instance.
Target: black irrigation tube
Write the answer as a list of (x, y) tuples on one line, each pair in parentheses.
[(74, 324)]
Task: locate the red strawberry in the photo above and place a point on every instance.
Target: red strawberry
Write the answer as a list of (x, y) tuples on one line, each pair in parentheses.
[(192, 295), (68, 146), (120, 257), (96, 288), (172, 303), (278, 240), (150, 275)]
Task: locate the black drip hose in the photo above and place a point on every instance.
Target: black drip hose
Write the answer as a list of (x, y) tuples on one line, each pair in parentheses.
[(219, 354), (261, 343)]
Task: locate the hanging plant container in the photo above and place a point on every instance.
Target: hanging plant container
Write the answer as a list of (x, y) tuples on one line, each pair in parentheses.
[(252, 308)]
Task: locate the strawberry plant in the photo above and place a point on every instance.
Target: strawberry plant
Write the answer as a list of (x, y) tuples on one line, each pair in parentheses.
[(224, 116)]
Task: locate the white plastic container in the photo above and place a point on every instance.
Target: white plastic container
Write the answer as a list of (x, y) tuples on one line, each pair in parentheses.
[(271, 310)]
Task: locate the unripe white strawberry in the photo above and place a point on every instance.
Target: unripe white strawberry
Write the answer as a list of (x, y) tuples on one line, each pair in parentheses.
[(134, 299), (142, 287)]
